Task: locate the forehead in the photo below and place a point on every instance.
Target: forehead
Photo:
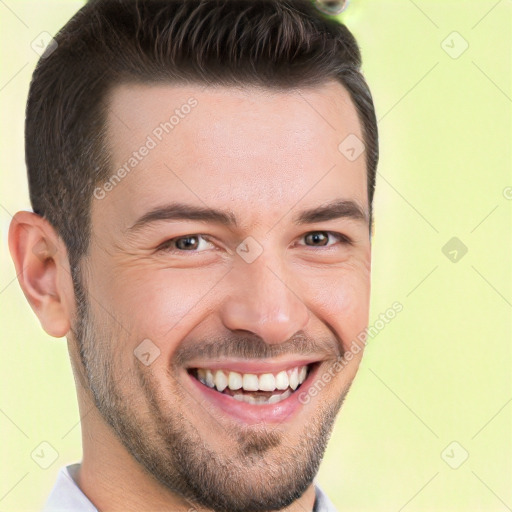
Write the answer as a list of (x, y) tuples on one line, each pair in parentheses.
[(242, 147)]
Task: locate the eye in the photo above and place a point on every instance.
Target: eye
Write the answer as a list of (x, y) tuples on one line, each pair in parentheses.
[(321, 238), (188, 243)]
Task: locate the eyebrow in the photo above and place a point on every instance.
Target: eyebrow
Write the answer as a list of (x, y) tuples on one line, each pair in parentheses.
[(340, 208), (181, 211)]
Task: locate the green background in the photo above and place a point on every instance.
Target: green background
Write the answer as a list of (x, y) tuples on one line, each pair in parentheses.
[(440, 371)]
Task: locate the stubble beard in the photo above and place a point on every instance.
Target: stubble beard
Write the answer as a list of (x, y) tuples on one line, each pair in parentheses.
[(259, 475)]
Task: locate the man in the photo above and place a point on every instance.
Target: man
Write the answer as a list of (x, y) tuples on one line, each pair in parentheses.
[(201, 174)]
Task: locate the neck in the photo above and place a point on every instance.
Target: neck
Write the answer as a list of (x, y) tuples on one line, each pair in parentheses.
[(112, 480)]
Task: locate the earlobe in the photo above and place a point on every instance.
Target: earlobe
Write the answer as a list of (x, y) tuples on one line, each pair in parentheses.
[(39, 258)]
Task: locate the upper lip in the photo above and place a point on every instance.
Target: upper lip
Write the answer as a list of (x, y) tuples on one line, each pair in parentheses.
[(252, 366)]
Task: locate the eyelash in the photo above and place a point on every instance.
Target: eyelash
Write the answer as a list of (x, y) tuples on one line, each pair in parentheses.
[(167, 245), (344, 239)]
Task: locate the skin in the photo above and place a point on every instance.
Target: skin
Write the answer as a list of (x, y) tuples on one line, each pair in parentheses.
[(264, 156)]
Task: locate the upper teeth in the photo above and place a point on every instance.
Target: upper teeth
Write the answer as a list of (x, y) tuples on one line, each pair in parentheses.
[(222, 379)]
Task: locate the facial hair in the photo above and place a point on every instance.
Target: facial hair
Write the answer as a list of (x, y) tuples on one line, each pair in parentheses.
[(264, 473)]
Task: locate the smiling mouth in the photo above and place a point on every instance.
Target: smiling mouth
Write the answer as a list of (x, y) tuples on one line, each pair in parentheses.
[(252, 388)]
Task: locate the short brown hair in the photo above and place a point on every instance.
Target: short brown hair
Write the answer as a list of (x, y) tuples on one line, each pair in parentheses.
[(276, 44)]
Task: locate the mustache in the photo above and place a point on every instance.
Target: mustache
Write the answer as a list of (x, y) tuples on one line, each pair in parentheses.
[(252, 346)]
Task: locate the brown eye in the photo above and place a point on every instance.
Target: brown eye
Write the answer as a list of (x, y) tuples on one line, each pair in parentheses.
[(326, 239), (189, 243), (317, 238)]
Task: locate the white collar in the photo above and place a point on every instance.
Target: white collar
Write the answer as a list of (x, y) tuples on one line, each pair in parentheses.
[(66, 496)]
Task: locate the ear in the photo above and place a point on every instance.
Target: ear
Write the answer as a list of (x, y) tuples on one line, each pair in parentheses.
[(42, 268)]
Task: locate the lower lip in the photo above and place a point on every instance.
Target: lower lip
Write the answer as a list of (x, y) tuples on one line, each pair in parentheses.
[(251, 414)]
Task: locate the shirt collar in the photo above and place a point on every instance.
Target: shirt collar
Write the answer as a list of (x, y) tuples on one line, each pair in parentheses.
[(66, 496)]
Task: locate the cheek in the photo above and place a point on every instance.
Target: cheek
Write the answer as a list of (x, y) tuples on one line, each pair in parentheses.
[(341, 299), (166, 304)]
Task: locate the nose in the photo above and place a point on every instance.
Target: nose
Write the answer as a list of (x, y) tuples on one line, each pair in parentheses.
[(262, 301)]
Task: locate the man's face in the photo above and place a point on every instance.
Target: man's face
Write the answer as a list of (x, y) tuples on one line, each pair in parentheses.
[(266, 293)]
